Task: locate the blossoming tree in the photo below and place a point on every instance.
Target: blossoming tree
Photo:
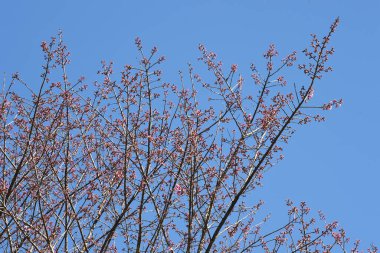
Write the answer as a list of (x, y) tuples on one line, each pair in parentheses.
[(137, 164)]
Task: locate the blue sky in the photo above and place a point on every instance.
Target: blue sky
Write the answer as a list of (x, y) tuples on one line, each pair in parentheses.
[(334, 166)]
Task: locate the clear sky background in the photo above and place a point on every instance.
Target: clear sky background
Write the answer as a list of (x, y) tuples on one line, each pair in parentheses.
[(334, 166)]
